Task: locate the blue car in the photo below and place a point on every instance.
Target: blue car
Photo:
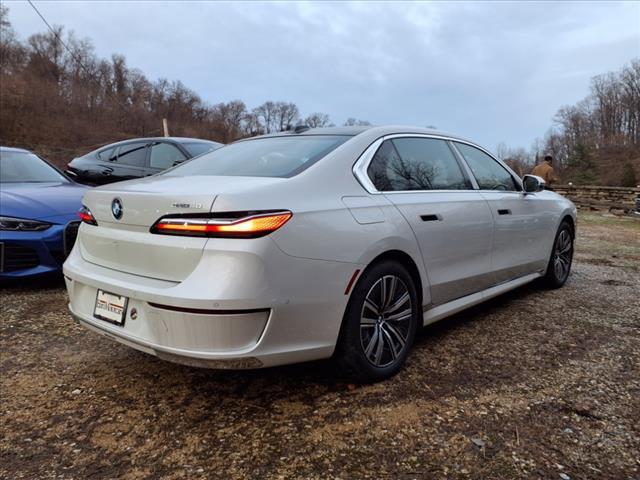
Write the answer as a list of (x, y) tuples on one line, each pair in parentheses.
[(38, 215)]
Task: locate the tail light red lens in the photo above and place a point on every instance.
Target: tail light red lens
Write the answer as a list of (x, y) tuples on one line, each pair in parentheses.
[(250, 226), (86, 216)]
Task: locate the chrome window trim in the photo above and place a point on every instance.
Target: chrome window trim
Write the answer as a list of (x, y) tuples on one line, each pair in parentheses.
[(465, 165), (362, 163)]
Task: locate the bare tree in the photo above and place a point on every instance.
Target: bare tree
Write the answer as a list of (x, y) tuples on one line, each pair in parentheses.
[(630, 86), (286, 115), (265, 114), (318, 120), (415, 175), (517, 158), (353, 122), (251, 125), (11, 51), (229, 119)]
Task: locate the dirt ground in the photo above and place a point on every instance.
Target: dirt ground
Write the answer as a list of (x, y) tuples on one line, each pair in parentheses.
[(535, 384)]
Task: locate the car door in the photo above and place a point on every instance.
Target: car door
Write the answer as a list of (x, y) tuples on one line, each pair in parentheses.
[(164, 155), (523, 223), (101, 165), (451, 221)]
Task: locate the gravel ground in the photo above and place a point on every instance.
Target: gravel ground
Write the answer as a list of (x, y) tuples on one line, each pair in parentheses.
[(535, 384)]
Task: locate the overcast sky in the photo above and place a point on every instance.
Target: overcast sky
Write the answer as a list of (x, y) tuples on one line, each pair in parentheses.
[(494, 72)]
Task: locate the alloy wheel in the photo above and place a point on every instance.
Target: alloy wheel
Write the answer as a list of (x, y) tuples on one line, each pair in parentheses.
[(563, 255), (385, 321)]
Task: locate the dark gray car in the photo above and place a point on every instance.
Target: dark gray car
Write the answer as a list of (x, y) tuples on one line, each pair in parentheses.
[(135, 158)]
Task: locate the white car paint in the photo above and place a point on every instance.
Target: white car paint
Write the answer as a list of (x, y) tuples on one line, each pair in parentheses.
[(281, 298)]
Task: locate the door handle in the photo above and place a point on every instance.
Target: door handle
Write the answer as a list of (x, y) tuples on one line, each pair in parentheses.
[(504, 211), (107, 171), (430, 218)]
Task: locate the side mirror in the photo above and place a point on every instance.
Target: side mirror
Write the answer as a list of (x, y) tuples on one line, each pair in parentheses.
[(532, 184)]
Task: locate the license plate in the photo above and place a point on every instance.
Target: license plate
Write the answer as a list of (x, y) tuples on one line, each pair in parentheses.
[(110, 307)]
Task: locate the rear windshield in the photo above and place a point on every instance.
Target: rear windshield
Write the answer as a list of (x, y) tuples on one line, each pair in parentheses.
[(262, 157), (198, 148), (18, 167)]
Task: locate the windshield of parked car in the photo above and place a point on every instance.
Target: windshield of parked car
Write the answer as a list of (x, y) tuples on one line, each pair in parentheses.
[(283, 156), (19, 167), (198, 148)]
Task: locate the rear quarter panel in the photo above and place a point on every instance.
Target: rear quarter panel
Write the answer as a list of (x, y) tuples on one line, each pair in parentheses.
[(334, 217)]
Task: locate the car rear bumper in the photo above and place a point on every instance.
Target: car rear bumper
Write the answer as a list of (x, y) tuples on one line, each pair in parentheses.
[(267, 310), (199, 341)]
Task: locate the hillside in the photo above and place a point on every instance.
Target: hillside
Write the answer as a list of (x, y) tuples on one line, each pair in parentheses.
[(60, 100), (611, 166)]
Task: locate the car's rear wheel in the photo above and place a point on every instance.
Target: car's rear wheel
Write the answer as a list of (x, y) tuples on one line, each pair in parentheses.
[(380, 323), (561, 259)]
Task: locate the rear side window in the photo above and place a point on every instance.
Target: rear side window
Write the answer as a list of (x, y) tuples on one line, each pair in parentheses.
[(198, 148), (165, 155), (283, 157), (416, 164), (489, 174), (134, 154), (108, 155)]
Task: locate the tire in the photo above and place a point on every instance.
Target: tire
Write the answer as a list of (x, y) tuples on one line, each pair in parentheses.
[(379, 324), (559, 266)]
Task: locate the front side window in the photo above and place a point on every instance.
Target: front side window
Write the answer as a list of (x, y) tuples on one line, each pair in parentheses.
[(489, 174), (19, 167), (282, 156), (416, 164), (165, 155), (134, 154)]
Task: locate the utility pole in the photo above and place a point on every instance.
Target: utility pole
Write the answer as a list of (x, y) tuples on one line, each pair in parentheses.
[(165, 127)]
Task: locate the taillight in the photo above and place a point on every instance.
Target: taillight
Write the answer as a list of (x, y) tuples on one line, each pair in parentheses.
[(86, 216), (254, 225)]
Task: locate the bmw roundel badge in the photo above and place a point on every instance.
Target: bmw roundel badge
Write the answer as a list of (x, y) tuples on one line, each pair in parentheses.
[(116, 208)]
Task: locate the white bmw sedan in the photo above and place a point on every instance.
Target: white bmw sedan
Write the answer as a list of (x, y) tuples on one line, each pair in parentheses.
[(310, 244)]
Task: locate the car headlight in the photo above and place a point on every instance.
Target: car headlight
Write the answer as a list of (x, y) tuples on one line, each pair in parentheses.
[(22, 224)]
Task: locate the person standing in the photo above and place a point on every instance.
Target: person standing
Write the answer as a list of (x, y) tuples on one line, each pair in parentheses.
[(545, 170)]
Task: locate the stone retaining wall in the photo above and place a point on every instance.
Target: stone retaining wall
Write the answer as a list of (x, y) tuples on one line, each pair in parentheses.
[(622, 198)]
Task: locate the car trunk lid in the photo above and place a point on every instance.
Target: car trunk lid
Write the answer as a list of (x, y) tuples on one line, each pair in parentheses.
[(126, 244)]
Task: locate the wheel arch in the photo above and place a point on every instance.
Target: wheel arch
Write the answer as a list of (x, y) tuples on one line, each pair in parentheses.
[(407, 262), (404, 259), (570, 220), (570, 217)]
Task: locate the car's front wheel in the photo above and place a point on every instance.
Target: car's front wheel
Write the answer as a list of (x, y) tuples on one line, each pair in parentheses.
[(380, 323), (561, 259)]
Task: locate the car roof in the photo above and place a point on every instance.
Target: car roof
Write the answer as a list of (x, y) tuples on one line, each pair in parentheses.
[(350, 131), (13, 149), (157, 139), (185, 139), (379, 131)]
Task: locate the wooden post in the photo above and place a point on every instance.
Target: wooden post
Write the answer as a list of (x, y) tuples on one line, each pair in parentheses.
[(165, 127)]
